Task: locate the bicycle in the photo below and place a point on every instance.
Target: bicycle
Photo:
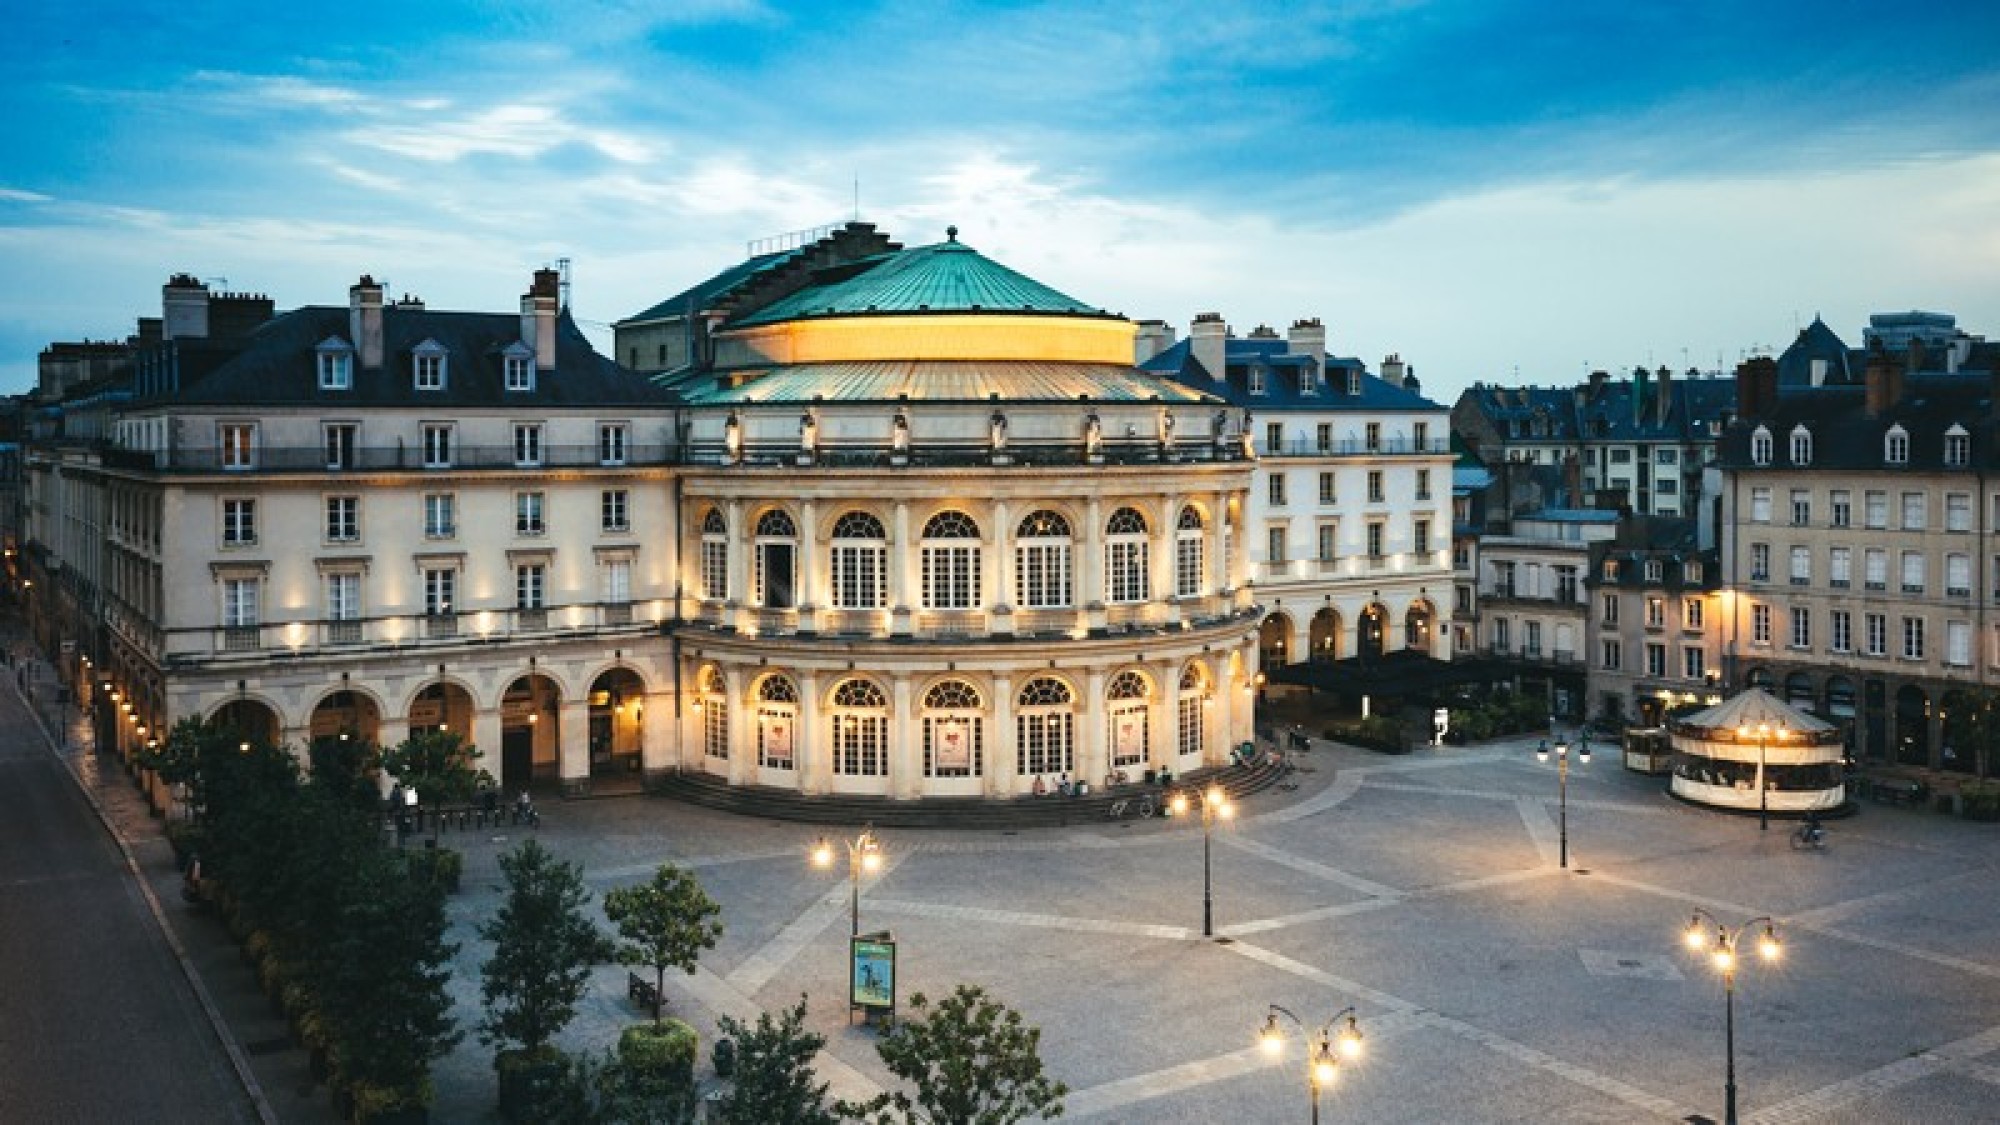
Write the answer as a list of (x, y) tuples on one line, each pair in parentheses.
[(1142, 807), (1808, 837)]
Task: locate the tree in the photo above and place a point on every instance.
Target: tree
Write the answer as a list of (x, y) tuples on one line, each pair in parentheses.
[(775, 1081), (543, 949), (437, 764), (664, 924), (970, 1061)]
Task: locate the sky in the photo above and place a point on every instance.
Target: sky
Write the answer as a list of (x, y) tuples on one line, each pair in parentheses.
[(1498, 192)]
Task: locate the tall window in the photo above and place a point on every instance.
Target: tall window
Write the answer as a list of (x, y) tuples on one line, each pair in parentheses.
[(1913, 572), (239, 445), (336, 366), (1801, 566), (617, 579), (1042, 551), (954, 728), (714, 714), (777, 716), (1760, 562), (1840, 630), (340, 437), (1129, 733), (1045, 728), (1875, 563), (1274, 543), (1328, 492), (1423, 482), (1656, 660), (1896, 446), (1191, 712), (440, 515), (860, 562), (714, 556), (1801, 627), (1913, 511), (1842, 502), (1760, 624), (1375, 493), (776, 549), (1420, 438), (343, 519), (860, 718), (1274, 488), (1760, 504), (1913, 638), (1609, 605), (239, 523), (527, 444), (429, 359), (440, 589), (1613, 654), (1958, 643), (951, 561), (239, 602), (1656, 612), (1876, 627), (1957, 511), (1958, 575), (528, 514), (1190, 553), (1801, 507), (1692, 662), (343, 597), (1323, 435), (614, 509), (520, 373), (1760, 447), (531, 586), (1840, 566), (1420, 542), (1691, 614), (1875, 508), (1125, 555), (437, 447), (1371, 437), (1329, 542), (613, 439), (1801, 447), (1376, 534), (1957, 447)]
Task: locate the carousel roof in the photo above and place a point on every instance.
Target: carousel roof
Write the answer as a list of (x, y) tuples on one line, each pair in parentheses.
[(1754, 708)]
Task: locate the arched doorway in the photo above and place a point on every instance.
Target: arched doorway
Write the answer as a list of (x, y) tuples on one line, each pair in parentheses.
[(1913, 713), (1324, 634), (1959, 723), (530, 735), (617, 722), (1759, 678), (1417, 625), (346, 716), (250, 720), (1840, 697), (442, 706), (1274, 641), (1374, 631)]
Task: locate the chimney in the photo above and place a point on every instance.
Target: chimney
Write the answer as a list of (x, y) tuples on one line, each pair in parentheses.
[(1208, 342), (1666, 395), (1392, 369), (184, 308), (364, 320), (1573, 482), (1756, 387), (1410, 382), (1308, 337), (1642, 392), (540, 304), (1598, 381), (1884, 387), (1154, 337)]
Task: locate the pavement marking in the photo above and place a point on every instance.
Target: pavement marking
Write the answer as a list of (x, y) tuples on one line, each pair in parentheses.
[(1033, 921), (1283, 921), (1838, 910), (1535, 818), (1497, 795), (1881, 1080), (720, 998), (1316, 870), (645, 870), (1985, 1072), (1635, 966), (1520, 1052), (756, 970)]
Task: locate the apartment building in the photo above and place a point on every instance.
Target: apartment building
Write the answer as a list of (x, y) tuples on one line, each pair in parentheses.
[(1654, 638)]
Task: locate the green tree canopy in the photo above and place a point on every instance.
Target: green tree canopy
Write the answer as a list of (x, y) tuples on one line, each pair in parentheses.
[(663, 924), (543, 950), (439, 765), (775, 1080), (969, 1061)]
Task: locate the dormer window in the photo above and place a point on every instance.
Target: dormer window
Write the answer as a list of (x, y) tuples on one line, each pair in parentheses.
[(336, 364), (1896, 446), (1354, 382), (1257, 380), (1957, 447), (1308, 379), (1760, 447), (430, 365), (1691, 573), (518, 361), (1801, 447)]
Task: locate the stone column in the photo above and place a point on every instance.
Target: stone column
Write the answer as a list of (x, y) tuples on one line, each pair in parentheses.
[(1162, 563), (661, 740), (573, 746), (742, 727), (1001, 772), (1239, 560), (813, 594), (813, 752), (1215, 554), (1163, 716), (996, 570), (906, 766), (1093, 756), (392, 732), (485, 736), (735, 613), (1090, 565), (903, 581)]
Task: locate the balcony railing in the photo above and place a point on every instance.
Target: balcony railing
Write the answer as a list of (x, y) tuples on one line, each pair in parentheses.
[(1354, 447), (374, 458), (1125, 451), (343, 632), (441, 625)]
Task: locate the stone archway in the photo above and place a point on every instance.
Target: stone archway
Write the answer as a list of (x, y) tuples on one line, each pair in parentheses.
[(1274, 641), (1418, 624), (442, 706), (617, 722), (1372, 636), (251, 720), (1324, 634), (1912, 743), (530, 731), (345, 715)]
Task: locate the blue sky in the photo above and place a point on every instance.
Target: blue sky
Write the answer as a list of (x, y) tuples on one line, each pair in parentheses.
[(1501, 192)]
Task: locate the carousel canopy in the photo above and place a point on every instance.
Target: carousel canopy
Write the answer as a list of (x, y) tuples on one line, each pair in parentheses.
[(1754, 708)]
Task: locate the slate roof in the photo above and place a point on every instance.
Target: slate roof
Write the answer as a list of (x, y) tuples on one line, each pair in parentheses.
[(1624, 410), (944, 277), (1817, 341), (1281, 381), (278, 366), (945, 381), (1845, 436), (705, 294)]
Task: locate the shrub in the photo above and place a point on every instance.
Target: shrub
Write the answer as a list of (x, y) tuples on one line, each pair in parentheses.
[(666, 1049)]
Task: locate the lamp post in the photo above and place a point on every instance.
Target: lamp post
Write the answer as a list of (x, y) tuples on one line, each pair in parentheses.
[(1721, 950), (1763, 733), (1214, 806), (1324, 1048), (1562, 788), (864, 853)]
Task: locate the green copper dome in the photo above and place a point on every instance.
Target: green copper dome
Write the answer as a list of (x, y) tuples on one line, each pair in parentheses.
[(945, 277)]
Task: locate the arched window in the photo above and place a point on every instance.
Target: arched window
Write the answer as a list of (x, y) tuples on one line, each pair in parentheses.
[(1801, 447), (1130, 732), (714, 556), (860, 562), (714, 714), (1192, 711), (951, 562), (1045, 728), (777, 554), (860, 719), (1896, 446), (954, 730), (1125, 558), (1190, 557), (777, 722), (1760, 446), (1042, 551)]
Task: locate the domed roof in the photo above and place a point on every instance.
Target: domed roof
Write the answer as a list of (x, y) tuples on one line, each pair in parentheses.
[(945, 277)]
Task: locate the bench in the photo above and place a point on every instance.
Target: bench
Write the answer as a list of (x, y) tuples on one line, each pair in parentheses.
[(642, 992), (1898, 791)]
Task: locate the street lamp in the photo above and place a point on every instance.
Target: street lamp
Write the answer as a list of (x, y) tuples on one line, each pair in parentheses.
[(1763, 733), (864, 853), (1325, 1047), (1214, 806), (1721, 950), (1562, 787)]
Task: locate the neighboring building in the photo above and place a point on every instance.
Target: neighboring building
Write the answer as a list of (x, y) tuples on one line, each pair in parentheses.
[(1532, 600), (1857, 515), (1642, 442), (1349, 514), (1655, 621)]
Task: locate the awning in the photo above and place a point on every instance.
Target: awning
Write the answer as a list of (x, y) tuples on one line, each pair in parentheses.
[(1402, 672)]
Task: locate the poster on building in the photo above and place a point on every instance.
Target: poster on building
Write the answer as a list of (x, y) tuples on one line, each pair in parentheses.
[(777, 740), (872, 975), (1128, 737), (953, 748)]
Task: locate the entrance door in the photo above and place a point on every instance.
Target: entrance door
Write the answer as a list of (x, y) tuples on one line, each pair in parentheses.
[(517, 758)]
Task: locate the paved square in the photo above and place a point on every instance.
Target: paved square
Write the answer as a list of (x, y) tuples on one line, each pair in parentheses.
[(1491, 985)]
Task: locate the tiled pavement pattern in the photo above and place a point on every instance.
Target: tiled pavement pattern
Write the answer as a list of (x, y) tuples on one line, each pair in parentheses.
[(1422, 889)]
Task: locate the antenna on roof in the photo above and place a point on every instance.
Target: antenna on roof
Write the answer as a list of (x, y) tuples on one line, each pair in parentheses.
[(562, 267), (857, 198)]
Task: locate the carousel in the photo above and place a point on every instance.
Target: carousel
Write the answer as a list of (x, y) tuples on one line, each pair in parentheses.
[(1754, 752)]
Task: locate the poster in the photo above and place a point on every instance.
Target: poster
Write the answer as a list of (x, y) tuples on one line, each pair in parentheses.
[(872, 983), (777, 740), (1128, 734), (954, 748)]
